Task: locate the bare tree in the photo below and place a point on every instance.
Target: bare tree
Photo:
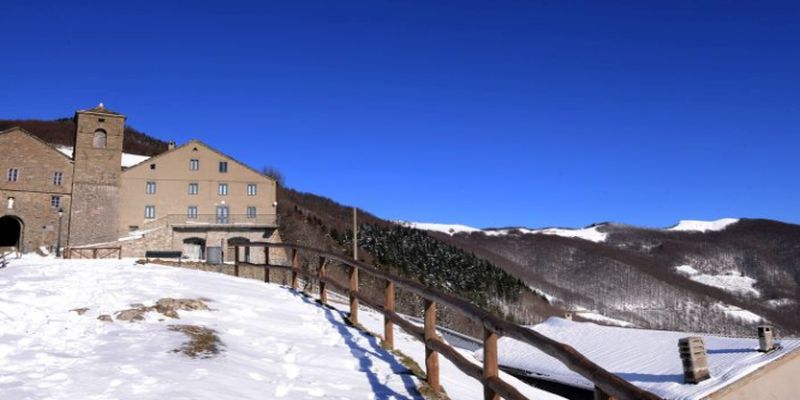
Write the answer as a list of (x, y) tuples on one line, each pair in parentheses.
[(273, 173)]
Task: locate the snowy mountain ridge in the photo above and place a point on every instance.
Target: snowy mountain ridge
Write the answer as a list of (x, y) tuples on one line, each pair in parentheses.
[(591, 233)]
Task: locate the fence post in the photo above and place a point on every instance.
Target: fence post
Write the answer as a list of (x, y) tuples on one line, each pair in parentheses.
[(353, 291), (431, 357), (266, 264), (490, 369), (236, 260), (119, 254), (94, 253), (388, 327), (599, 394), (295, 267), (323, 294)]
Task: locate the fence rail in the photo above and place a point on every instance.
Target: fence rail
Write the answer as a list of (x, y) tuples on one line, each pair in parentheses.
[(92, 252), (607, 385)]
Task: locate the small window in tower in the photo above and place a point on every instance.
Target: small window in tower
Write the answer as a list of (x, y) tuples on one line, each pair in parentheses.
[(100, 139), (223, 166), (13, 174), (101, 120), (10, 204), (58, 178), (55, 201)]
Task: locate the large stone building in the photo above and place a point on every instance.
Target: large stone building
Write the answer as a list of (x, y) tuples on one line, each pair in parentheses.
[(190, 198)]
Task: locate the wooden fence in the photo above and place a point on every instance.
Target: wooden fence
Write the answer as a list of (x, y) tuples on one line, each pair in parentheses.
[(607, 385), (93, 252)]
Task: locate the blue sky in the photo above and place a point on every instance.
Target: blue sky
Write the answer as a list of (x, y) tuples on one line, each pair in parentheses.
[(537, 113)]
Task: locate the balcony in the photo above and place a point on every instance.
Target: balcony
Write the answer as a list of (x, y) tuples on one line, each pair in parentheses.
[(213, 221)]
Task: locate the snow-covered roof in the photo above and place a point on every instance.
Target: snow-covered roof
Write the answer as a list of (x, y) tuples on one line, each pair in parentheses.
[(647, 358), (128, 160)]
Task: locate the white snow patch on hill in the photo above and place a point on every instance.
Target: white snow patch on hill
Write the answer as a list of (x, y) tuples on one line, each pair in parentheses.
[(731, 281), (450, 229), (739, 313), (703, 226), (776, 303), (591, 233), (128, 160), (647, 358), (597, 317)]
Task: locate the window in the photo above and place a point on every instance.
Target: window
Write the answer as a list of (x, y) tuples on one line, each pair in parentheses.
[(10, 203), (223, 166), (222, 215), (100, 139), (191, 212), (194, 164), (251, 189), (149, 212), (223, 189), (55, 201), (152, 166), (58, 177), (150, 188), (13, 174), (251, 212), (194, 188)]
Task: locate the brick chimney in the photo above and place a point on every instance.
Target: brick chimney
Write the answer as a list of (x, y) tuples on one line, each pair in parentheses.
[(693, 356)]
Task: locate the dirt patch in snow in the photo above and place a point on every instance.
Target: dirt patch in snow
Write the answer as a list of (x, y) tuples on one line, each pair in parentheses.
[(203, 342), (167, 306)]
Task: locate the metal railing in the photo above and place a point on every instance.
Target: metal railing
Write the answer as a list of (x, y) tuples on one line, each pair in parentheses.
[(201, 220)]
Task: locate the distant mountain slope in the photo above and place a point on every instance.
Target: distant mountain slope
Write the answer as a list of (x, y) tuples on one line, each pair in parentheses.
[(62, 132), (713, 277)]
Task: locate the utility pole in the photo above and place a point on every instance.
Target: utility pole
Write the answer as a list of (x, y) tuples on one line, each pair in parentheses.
[(355, 233)]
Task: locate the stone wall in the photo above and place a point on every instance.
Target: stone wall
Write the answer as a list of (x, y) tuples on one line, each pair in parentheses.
[(32, 192)]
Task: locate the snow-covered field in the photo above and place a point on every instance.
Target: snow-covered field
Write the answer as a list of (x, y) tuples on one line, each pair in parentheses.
[(731, 281), (646, 358), (275, 343)]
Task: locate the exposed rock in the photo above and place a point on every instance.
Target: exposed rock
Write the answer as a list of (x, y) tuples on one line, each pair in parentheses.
[(180, 304), (80, 311), (105, 318), (132, 314), (203, 343)]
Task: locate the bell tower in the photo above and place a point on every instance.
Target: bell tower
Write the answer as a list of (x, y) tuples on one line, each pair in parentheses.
[(97, 167)]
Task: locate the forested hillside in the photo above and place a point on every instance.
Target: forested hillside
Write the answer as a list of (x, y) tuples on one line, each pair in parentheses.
[(717, 281)]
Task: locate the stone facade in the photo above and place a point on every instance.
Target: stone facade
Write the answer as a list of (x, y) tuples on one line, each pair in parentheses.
[(97, 157), (28, 201), (102, 202)]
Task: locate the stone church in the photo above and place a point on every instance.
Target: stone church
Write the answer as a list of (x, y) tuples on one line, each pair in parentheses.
[(191, 198)]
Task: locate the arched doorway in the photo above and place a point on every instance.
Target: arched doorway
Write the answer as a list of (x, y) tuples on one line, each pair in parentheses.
[(11, 232), (194, 248)]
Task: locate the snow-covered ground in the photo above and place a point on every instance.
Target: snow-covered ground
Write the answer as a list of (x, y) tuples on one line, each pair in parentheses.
[(275, 343), (646, 358), (703, 226), (597, 317), (739, 313), (731, 281), (450, 229), (590, 233), (128, 160)]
